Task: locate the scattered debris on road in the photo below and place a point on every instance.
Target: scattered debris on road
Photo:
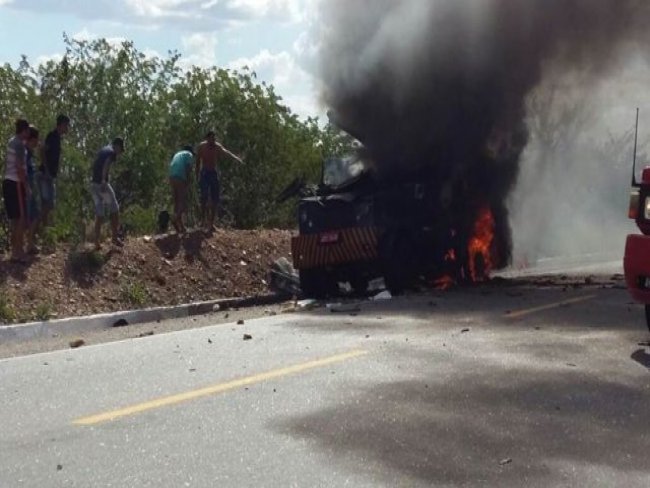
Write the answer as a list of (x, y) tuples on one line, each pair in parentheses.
[(248, 337), (343, 307), (121, 323), (284, 277), (301, 305), (240, 322), (146, 334), (503, 462), (77, 343), (384, 295), (308, 304)]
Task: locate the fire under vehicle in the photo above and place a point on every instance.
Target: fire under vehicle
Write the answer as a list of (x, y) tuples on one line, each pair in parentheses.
[(355, 227), (637, 248)]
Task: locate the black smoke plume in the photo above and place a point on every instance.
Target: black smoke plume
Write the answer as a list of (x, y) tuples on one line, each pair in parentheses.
[(438, 88)]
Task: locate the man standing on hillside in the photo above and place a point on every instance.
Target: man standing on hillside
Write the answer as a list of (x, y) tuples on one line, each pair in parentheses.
[(49, 169), (31, 204), (209, 154), (180, 172), (14, 189), (102, 191)]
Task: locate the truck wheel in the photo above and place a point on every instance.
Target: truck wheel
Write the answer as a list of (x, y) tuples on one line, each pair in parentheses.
[(398, 265), (479, 269), (395, 282), (647, 316), (398, 273), (359, 285), (316, 283)]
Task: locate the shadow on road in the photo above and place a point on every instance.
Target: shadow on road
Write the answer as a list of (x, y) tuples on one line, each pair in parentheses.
[(518, 428), (642, 357)]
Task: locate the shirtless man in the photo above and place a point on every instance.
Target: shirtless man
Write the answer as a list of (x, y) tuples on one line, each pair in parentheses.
[(209, 154)]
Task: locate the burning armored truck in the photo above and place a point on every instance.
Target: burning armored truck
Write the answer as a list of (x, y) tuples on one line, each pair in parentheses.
[(410, 229)]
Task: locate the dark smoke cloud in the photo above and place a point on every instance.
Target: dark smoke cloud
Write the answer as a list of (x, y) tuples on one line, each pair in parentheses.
[(439, 87)]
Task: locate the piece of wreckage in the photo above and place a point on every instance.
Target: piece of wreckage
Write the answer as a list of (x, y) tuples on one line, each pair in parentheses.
[(355, 227)]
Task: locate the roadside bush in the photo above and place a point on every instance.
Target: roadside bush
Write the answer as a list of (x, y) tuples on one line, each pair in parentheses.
[(7, 312), (43, 311), (134, 293), (85, 262), (139, 220)]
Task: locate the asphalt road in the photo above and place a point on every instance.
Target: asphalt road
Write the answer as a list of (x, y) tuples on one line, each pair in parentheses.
[(534, 383)]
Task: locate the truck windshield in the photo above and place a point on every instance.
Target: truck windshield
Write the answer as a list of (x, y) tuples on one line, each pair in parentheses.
[(338, 171)]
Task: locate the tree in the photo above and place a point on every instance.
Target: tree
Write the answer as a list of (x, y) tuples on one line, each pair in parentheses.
[(110, 90)]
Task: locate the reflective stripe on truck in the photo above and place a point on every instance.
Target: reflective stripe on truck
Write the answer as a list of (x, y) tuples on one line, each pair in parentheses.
[(334, 248)]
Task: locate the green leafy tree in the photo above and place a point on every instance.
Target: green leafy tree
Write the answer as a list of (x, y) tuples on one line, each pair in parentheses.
[(113, 90)]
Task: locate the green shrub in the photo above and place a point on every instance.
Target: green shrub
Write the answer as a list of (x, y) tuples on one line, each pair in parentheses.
[(134, 293), (48, 239), (43, 311), (139, 220), (7, 312), (157, 105), (85, 262)]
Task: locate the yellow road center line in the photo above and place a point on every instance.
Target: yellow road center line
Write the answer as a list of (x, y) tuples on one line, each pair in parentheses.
[(215, 389), (522, 313)]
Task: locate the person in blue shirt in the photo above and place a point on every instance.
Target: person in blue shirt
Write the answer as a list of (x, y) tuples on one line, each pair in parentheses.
[(180, 169)]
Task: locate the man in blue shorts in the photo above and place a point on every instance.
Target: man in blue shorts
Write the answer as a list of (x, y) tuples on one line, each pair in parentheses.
[(209, 155), (103, 193)]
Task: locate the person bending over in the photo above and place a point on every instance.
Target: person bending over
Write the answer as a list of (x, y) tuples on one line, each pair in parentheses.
[(103, 193)]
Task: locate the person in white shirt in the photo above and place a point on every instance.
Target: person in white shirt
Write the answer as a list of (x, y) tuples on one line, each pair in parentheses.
[(14, 189)]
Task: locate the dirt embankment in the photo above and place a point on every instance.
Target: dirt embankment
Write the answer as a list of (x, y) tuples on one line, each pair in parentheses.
[(148, 271)]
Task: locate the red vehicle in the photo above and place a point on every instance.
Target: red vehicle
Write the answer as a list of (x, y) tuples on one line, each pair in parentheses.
[(637, 248)]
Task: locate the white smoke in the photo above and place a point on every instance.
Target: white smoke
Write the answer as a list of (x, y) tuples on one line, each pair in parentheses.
[(572, 193)]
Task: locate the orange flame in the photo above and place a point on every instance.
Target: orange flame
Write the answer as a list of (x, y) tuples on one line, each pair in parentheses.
[(444, 283), (480, 245), (451, 255)]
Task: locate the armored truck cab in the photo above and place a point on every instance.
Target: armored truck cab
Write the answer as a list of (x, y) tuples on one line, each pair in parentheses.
[(357, 227)]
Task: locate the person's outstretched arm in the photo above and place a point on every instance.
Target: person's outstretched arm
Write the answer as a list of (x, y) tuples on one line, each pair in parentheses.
[(229, 153)]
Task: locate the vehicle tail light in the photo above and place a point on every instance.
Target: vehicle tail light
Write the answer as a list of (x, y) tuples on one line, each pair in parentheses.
[(633, 212)]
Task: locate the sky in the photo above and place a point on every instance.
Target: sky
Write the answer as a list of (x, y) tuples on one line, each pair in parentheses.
[(271, 37)]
